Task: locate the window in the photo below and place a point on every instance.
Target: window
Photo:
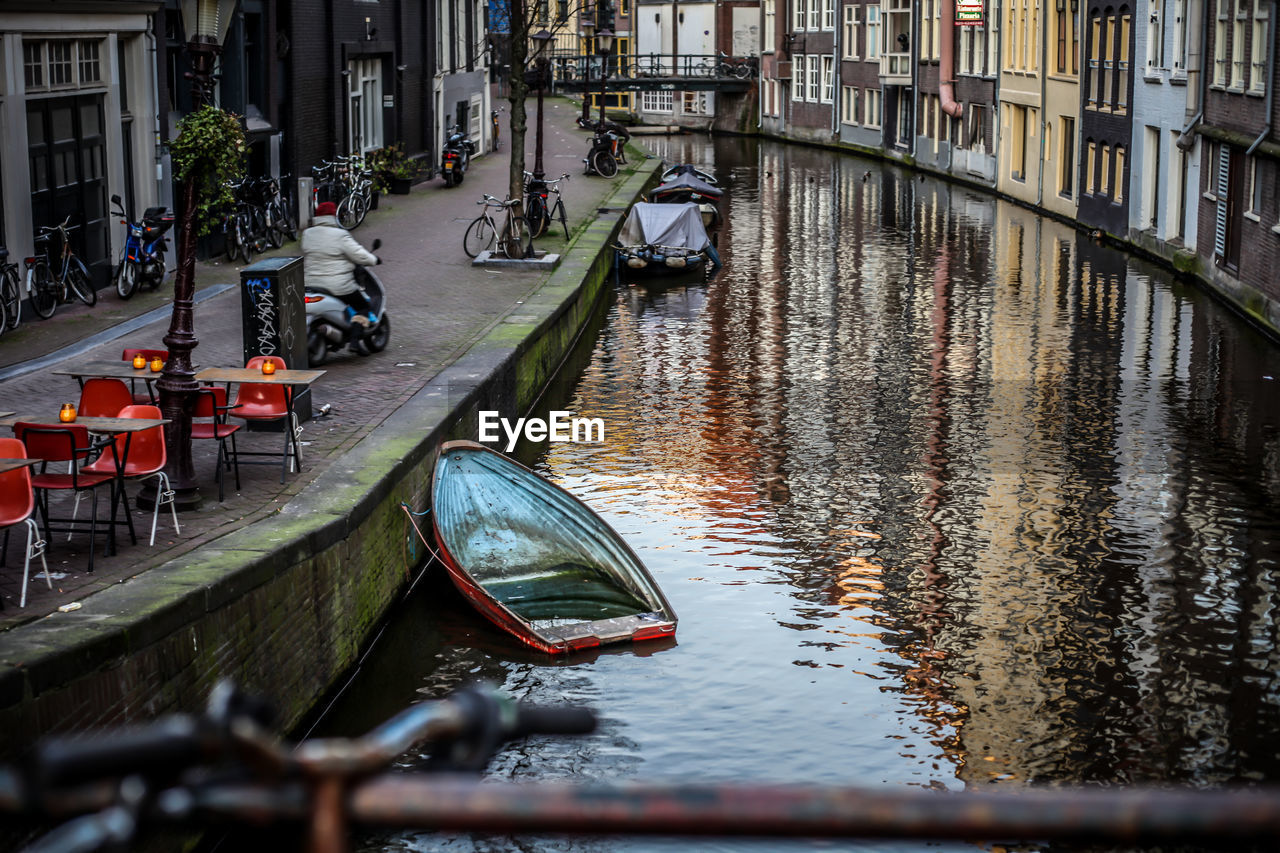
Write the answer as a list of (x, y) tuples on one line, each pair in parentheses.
[(797, 77), (695, 104), (1122, 77), (928, 36), (61, 64), (815, 12), (977, 129), (1220, 46), (1119, 181), (1155, 34), (1179, 37), (973, 49), (1066, 156), (657, 101), (1255, 188), (770, 25), (1017, 142), (1104, 168), (364, 104), (873, 108), (872, 53), (1091, 170), (829, 14), (828, 78), (1237, 44), (798, 14), (848, 104), (1258, 65), (993, 39), (1067, 48), (815, 81), (851, 27)]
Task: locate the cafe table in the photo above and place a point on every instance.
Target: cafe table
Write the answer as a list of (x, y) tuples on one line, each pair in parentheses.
[(100, 426), (290, 379), (108, 369), (7, 465)]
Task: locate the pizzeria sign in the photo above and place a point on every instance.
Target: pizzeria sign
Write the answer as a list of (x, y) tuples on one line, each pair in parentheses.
[(969, 13)]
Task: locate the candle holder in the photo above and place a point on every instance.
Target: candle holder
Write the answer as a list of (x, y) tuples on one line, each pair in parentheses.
[(139, 362), (68, 413)]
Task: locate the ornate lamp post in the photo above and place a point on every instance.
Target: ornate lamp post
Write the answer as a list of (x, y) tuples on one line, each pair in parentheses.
[(541, 39), (604, 41), (206, 22)]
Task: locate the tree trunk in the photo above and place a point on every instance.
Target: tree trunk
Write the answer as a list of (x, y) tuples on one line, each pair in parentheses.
[(520, 15)]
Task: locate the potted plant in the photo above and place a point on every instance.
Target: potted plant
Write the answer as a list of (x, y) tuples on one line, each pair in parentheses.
[(394, 171)]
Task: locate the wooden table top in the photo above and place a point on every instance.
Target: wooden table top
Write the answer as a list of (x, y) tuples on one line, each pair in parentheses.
[(107, 369), (7, 465), (245, 374), (92, 424)]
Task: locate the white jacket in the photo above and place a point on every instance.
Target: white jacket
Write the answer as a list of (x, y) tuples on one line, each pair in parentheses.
[(329, 253)]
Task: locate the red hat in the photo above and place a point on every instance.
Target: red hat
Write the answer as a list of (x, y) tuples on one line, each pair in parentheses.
[(326, 208)]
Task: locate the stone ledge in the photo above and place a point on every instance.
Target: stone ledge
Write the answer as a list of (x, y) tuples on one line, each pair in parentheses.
[(540, 262)]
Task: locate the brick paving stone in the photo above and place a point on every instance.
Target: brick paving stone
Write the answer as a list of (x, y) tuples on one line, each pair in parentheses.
[(439, 305)]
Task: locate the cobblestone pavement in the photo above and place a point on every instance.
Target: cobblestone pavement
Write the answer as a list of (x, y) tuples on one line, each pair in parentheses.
[(439, 304)]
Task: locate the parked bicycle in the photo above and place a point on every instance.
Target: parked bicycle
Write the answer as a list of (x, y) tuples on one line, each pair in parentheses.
[(347, 182), (46, 287), (740, 67), (539, 211), (512, 238), (10, 293), (606, 151)]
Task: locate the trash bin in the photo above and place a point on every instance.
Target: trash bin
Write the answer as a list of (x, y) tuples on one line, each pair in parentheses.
[(274, 317)]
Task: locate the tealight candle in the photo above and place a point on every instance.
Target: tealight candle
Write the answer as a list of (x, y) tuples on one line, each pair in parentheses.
[(268, 368), (156, 365), (68, 413), (139, 361)]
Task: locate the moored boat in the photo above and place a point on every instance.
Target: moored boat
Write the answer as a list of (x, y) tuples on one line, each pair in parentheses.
[(665, 238), (685, 183), (537, 561)]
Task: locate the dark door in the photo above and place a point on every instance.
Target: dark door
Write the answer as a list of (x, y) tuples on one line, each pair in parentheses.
[(66, 147), (1235, 211)]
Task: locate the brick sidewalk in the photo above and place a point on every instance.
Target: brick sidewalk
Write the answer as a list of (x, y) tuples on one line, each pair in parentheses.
[(439, 304)]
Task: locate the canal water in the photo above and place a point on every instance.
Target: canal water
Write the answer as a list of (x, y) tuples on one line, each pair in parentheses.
[(946, 495)]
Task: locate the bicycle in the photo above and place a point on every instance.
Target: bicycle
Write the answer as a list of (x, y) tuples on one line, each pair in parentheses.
[(45, 288), (740, 67), (188, 771), (340, 179), (10, 293), (513, 239), (537, 212), (605, 153)]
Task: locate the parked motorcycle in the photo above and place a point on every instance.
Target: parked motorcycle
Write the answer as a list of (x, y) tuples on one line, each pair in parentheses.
[(456, 156), (142, 258), (330, 320)]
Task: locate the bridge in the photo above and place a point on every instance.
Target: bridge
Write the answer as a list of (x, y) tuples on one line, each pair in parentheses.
[(654, 72)]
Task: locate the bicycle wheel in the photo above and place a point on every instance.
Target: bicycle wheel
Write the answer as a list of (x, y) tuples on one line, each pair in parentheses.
[(535, 214), (603, 163), (230, 239), (275, 231), (351, 211), (558, 212), (11, 296), (126, 279), (42, 290), (244, 246), (78, 283), (516, 241), (479, 237), (284, 218)]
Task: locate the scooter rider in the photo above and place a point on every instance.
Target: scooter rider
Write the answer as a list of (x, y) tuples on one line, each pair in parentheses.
[(329, 256)]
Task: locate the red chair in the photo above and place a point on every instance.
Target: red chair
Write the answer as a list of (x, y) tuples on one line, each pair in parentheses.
[(17, 503), (64, 443), (211, 403), (103, 398), (149, 398), (264, 403), (144, 459)]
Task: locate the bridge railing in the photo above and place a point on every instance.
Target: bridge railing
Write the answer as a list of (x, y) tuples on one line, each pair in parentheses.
[(578, 70)]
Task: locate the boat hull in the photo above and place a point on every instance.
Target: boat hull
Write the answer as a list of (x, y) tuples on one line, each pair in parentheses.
[(535, 560)]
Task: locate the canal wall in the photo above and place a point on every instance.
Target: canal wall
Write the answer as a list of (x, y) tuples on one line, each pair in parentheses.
[(284, 606)]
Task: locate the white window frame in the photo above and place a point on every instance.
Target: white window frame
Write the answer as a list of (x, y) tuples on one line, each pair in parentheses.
[(828, 78), (1220, 46), (851, 27), (76, 64), (1258, 55), (770, 26), (1238, 25), (829, 15), (814, 77), (1254, 195), (798, 86), (658, 101), (1180, 38), (364, 103), (815, 15), (798, 13), (1155, 34), (872, 53), (873, 108)]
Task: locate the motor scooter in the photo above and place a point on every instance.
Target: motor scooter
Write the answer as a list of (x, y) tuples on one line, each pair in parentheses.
[(456, 156), (142, 258), (330, 320)]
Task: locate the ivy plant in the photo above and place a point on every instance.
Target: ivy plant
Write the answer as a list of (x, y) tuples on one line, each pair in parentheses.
[(209, 150)]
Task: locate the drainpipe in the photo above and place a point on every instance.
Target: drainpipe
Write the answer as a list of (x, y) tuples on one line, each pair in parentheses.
[(1044, 115), (836, 80), (1271, 67), (946, 67), (1186, 140)]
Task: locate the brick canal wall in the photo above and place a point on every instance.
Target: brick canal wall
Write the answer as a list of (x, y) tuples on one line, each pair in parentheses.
[(284, 606)]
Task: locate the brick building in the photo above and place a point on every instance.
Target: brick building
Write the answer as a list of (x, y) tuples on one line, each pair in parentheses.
[(809, 34), (1106, 116)]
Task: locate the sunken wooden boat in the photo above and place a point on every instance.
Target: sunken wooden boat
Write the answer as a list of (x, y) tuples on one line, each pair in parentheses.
[(537, 561)]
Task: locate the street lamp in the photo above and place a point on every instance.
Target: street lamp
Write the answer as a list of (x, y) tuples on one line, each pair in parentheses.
[(604, 39), (588, 30), (541, 39), (206, 22)]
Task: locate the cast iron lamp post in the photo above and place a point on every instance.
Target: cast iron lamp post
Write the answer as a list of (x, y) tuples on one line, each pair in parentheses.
[(604, 40), (541, 39), (588, 32), (205, 21)]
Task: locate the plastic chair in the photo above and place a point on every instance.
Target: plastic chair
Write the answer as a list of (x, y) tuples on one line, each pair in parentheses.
[(211, 403), (261, 402), (64, 443), (144, 459), (17, 504), (149, 398), (103, 398)]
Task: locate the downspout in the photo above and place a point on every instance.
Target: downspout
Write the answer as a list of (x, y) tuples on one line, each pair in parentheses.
[(1187, 141), (1271, 68), (1044, 115), (836, 81), (946, 67)]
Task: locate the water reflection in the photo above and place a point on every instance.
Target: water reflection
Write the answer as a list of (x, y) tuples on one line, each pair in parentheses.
[(946, 494)]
